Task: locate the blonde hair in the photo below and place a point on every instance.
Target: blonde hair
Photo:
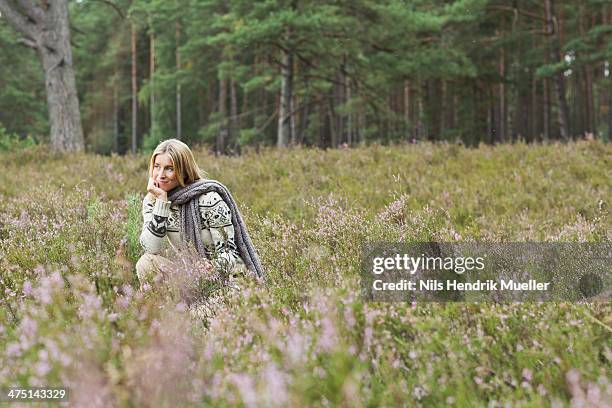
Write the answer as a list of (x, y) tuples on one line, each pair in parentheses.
[(185, 166)]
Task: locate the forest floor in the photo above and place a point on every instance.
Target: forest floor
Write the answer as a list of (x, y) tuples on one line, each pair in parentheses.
[(72, 315)]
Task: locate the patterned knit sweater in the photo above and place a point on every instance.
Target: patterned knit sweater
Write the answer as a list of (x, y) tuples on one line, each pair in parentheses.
[(161, 226)]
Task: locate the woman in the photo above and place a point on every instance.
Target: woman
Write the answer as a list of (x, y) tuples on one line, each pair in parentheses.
[(182, 207)]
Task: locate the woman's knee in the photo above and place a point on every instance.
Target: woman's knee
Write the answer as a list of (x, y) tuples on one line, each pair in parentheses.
[(145, 267), (150, 265)]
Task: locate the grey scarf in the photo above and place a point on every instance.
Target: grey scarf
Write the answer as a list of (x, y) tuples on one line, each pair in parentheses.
[(191, 223)]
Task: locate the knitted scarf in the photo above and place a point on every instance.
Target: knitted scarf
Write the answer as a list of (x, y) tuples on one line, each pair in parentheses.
[(191, 223)]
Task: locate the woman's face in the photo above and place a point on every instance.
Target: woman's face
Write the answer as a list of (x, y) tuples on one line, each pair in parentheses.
[(163, 172)]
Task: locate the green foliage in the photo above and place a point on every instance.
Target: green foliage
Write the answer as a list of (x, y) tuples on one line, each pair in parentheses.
[(376, 47), (133, 226), (23, 108), (150, 141), (248, 136), (12, 141)]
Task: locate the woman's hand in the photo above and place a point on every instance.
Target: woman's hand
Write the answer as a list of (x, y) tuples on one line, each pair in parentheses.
[(156, 191)]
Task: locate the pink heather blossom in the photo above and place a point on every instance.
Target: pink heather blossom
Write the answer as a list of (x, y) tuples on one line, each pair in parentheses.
[(90, 307), (43, 294), (56, 279), (13, 350), (127, 290), (43, 354), (155, 325), (42, 368), (65, 360), (276, 388), (123, 301), (541, 390), (28, 327), (246, 388), (209, 351), (27, 288), (327, 339), (349, 318), (52, 348), (319, 371), (296, 347), (593, 394), (367, 336), (527, 375)]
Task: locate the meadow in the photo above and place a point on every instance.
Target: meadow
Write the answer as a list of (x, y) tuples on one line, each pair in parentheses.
[(72, 315)]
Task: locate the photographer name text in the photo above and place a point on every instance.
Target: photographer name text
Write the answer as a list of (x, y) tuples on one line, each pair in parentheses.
[(478, 285)]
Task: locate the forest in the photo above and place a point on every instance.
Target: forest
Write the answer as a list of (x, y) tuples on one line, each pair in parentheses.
[(336, 125), (237, 74)]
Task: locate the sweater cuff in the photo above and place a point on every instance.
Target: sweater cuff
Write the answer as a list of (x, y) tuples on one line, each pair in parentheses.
[(162, 208)]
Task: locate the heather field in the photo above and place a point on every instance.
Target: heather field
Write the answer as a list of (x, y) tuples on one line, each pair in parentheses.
[(72, 315)]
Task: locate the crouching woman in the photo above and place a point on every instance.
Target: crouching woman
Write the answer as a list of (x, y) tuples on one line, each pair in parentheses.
[(183, 208)]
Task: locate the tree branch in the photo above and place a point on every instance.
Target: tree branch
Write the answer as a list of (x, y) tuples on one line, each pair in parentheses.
[(27, 43), (77, 30), (17, 20), (113, 5), (516, 10), (32, 10)]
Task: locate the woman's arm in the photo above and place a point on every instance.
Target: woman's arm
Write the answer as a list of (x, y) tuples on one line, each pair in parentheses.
[(155, 216), (217, 217)]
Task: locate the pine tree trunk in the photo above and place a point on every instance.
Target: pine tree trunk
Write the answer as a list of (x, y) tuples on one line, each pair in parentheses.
[(555, 54), (285, 108), (152, 83), (443, 107), (213, 102), (502, 115), (201, 106), (420, 127), (179, 108), (546, 110), (610, 111), (233, 133), (491, 116), (534, 109), (340, 99), (134, 91), (406, 108), (388, 122), (242, 122), (332, 125), (321, 122), (304, 120), (588, 82), (47, 30), (590, 100), (116, 112), (609, 20), (223, 131), (349, 119), (455, 113), (361, 125)]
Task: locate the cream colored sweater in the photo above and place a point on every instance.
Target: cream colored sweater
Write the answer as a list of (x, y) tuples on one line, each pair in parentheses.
[(161, 228)]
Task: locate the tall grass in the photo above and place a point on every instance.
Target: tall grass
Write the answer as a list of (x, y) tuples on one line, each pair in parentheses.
[(72, 313)]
